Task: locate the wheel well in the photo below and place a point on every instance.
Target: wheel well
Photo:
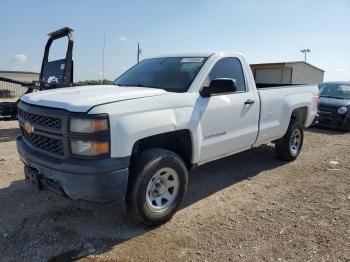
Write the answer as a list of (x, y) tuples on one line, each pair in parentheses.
[(178, 141), (300, 114)]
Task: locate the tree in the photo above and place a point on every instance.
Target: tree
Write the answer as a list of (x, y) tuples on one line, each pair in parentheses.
[(94, 82)]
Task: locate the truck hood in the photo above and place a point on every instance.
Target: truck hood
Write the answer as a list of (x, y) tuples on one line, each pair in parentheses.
[(83, 98), (333, 102)]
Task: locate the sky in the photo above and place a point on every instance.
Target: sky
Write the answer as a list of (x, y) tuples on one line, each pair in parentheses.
[(263, 30)]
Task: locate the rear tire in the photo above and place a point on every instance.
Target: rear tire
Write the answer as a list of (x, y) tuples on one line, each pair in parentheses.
[(289, 146), (158, 183)]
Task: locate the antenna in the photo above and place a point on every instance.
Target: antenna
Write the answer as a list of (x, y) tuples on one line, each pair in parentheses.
[(103, 58)]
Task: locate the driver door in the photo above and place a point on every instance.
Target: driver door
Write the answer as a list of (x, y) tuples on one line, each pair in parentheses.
[(229, 122)]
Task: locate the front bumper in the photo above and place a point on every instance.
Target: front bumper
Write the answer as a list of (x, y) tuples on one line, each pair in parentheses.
[(335, 121), (100, 180)]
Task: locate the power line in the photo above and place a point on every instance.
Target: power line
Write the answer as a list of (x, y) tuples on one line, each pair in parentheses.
[(139, 52)]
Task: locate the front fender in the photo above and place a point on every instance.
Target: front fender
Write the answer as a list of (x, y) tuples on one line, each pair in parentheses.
[(127, 129), (136, 119)]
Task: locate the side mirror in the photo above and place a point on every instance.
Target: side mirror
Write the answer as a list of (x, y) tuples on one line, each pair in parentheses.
[(219, 86)]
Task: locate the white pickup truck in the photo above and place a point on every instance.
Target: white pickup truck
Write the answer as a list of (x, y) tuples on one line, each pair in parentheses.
[(137, 139)]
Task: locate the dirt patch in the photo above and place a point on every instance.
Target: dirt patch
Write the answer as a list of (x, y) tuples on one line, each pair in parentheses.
[(247, 207)]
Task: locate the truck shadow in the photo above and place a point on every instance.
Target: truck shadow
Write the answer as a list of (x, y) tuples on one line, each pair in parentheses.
[(8, 135), (217, 175), (55, 227)]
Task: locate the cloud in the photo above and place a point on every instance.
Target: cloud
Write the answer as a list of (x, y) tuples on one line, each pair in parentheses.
[(19, 59), (341, 70), (125, 39)]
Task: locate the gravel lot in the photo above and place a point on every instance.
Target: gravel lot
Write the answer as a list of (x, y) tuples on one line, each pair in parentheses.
[(247, 207)]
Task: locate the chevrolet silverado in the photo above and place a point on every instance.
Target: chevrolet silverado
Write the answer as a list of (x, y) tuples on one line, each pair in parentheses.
[(138, 138)]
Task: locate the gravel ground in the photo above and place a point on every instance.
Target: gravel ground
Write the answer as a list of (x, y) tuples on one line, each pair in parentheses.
[(247, 207)]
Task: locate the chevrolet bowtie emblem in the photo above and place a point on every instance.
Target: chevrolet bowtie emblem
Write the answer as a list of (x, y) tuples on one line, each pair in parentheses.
[(28, 128)]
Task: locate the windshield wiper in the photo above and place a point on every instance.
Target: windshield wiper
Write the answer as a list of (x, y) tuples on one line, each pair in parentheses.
[(122, 85)]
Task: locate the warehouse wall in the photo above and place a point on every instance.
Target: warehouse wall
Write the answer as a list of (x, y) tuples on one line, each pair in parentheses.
[(305, 74), (287, 73), (16, 90), (268, 74)]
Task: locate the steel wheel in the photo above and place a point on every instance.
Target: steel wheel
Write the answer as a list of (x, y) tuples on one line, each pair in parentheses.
[(162, 189), (295, 141)]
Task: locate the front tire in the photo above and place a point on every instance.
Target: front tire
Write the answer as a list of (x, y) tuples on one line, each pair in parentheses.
[(289, 146), (158, 183)]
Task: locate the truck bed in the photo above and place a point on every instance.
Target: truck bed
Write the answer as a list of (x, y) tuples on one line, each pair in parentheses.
[(276, 105)]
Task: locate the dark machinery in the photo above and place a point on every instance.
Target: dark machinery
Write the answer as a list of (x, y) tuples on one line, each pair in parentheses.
[(53, 74)]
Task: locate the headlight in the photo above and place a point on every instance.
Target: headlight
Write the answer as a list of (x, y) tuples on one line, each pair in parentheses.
[(89, 148), (342, 110), (88, 125)]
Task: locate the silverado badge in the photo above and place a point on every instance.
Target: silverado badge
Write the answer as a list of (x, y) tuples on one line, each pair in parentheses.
[(28, 128)]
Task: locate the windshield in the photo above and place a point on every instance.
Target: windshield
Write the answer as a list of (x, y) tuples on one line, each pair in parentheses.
[(173, 74), (335, 90)]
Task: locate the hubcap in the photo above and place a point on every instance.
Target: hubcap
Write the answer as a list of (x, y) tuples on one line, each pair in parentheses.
[(162, 189), (295, 141)]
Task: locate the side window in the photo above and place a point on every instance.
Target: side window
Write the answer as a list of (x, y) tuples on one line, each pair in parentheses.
[(228, 67)]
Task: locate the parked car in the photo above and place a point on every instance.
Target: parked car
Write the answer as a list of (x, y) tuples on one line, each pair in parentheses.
[(137, 139), (334, 108)]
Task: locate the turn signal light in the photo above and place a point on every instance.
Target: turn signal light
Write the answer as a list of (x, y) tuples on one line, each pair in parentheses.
[(89, 148)]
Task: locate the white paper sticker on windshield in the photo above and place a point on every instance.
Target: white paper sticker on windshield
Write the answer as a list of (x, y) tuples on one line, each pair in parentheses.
[(192, 60)]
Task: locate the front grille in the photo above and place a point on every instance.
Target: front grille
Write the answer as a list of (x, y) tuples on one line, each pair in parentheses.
[(328, 112), (44, 121), (48, 144)]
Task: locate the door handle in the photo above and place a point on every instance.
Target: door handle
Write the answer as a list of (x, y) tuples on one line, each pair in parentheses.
[(249, 102)]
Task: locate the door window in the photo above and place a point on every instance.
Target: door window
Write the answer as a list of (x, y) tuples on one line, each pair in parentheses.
[(228, 67)]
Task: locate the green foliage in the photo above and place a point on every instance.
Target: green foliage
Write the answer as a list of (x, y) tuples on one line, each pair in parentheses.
[(94, 82)]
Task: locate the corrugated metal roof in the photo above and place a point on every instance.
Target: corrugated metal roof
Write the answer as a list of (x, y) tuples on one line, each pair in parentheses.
[(290, 62), (17, 72), (16, 89)]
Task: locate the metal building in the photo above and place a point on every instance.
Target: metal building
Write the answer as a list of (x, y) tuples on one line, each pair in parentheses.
[(298, 72), (8, 89)]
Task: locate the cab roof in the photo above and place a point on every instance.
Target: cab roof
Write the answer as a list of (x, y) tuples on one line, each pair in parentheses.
[(194, 54)]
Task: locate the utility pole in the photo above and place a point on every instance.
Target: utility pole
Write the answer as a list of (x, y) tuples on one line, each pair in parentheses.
[(139, 52), (305, 51), (103, 58)]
